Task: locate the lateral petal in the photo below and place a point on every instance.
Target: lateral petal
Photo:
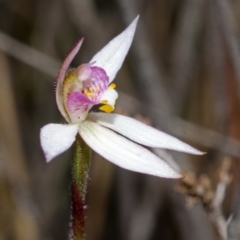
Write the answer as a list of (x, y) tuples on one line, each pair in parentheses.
[(111, 57), (141, 133), (124, 152), (57, 138)]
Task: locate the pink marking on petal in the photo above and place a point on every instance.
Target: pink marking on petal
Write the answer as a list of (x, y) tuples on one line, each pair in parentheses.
[(99, 77), (78, 106), (97, 85), (78, 98)]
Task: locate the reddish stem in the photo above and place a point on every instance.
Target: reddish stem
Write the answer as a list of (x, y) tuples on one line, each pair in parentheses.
[(80, 175)]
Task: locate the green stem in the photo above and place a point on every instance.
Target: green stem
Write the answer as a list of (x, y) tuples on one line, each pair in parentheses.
[(80, 176)]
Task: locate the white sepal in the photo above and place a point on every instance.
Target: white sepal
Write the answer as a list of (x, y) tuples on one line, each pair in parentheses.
[(57, 138), (61, 75), (123, 152), (111, 57), (141, 133)]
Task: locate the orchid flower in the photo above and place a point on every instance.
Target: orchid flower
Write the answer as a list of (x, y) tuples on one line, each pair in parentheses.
[(113, 136)]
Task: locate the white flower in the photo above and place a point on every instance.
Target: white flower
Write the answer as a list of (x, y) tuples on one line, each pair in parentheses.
[(113, 136)]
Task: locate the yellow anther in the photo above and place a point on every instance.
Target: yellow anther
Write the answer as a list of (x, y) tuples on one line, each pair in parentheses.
[(91, 94), (107, 108), (91, 89), (112, 86)]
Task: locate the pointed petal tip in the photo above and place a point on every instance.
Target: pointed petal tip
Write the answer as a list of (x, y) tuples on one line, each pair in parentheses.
[(75, 49), (133, 24), (79, 43), (136, 19), (48, 157), (188, 149), (81, 39), (172, 173), (196, 152), (179, 176)]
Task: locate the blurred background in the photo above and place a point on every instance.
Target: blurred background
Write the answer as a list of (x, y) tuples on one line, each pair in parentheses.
[(182, 75)]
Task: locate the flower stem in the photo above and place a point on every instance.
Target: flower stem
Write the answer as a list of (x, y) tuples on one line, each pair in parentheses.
[(80, 176)]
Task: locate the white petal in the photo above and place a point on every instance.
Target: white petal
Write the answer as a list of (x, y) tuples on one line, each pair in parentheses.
[(123, 152), (141, 133), (111, 57), (57, 138)]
